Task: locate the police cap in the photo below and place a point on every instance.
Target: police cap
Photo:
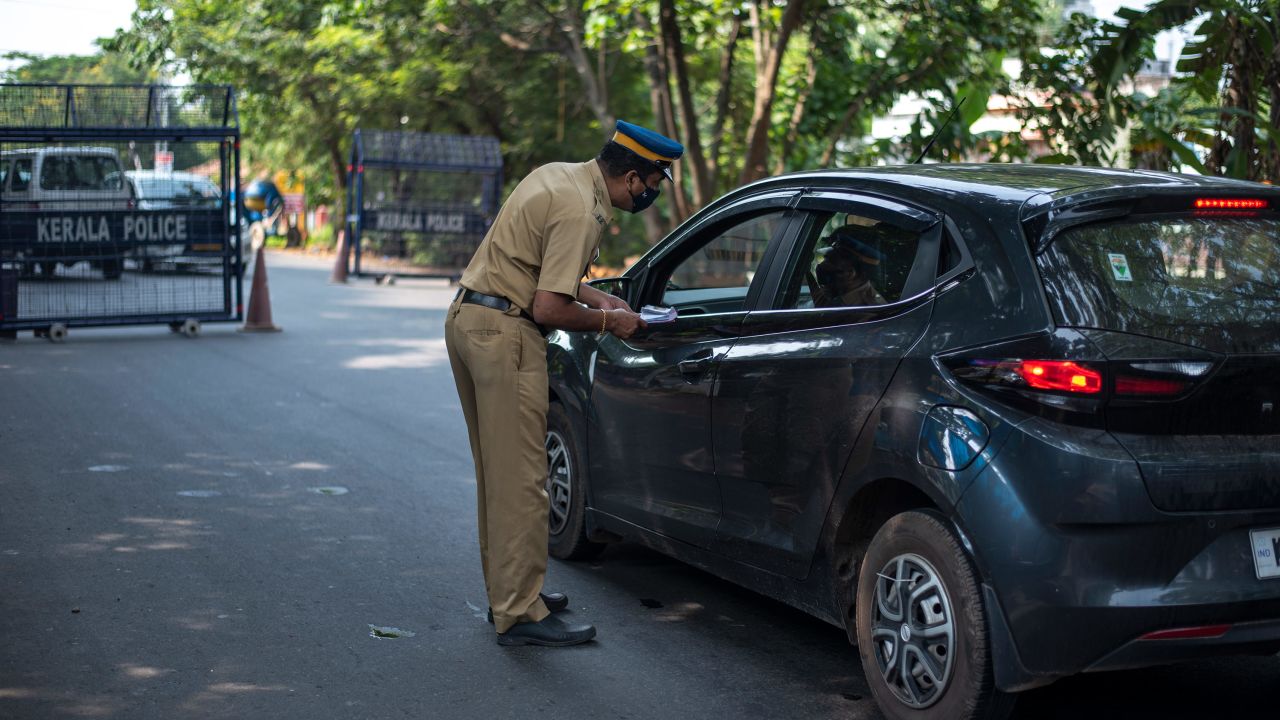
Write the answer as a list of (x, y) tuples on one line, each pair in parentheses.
[(654, 147)]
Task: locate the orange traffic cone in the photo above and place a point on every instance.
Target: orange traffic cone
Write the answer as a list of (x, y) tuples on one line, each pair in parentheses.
[(259, 317), (340, 265)]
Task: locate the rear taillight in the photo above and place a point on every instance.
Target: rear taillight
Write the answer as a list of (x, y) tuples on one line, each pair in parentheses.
[(1148, 387), (1066, 376), (1135, 379), (1158, 378), (1063, 375)]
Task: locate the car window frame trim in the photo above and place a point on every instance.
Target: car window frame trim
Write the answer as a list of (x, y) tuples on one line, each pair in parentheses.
[(931, 224), (768, 201)]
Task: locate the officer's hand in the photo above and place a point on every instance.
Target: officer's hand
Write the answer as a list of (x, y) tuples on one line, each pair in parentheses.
[(613, 302), (623, 323)]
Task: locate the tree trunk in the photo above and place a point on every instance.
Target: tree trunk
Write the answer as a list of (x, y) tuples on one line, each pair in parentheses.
[(770, 57), (570, 28), (660, 100), (693, 158), (797, 115), (1271, 172), (723, 95)]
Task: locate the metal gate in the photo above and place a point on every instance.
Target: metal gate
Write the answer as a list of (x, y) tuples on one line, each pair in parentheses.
[(420, 203), (116, 206)]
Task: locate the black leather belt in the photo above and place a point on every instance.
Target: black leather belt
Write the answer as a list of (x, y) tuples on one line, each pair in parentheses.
[(500, 304), (490, 301)]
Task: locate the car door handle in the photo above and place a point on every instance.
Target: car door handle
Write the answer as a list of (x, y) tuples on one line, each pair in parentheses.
[(696, 364)]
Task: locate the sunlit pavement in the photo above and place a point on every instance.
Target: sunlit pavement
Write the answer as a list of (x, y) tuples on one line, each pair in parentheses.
[(216, 528)]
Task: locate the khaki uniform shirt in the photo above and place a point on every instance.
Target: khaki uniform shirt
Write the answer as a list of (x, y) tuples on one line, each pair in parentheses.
[(545, 235)]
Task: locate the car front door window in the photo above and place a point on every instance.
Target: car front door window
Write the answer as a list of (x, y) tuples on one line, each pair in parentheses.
[(716, 276)]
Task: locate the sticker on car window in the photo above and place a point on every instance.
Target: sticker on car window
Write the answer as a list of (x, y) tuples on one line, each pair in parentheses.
[(1120, 267)]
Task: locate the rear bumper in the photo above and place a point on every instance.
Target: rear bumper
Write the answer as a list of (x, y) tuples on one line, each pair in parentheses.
[(1063, 641), (1260, 637), (1079, 566)]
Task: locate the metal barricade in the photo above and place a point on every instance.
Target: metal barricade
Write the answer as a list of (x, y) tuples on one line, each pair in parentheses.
[(116, 206), (420, 203)]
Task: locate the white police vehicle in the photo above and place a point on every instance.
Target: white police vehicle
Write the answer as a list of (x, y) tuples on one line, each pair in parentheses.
[(57, 201)]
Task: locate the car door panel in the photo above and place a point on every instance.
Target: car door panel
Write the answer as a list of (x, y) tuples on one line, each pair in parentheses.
[(799, 387), (650, 449)]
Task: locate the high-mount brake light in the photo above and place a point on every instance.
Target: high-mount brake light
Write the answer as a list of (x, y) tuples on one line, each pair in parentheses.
[(1060, 375), (1230, 204)]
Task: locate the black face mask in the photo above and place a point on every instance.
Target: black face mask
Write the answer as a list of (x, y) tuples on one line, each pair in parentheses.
[(645, 199)]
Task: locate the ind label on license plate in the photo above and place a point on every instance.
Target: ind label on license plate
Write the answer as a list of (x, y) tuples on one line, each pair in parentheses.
[(1266, 552)]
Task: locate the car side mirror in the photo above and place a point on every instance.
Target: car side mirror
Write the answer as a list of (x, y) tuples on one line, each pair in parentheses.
[(616, 286)]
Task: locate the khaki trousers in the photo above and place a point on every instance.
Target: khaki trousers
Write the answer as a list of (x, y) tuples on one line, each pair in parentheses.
[(499, 364)]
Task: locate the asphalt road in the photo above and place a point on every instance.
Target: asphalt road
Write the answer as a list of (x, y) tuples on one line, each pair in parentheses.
[(210, 528)]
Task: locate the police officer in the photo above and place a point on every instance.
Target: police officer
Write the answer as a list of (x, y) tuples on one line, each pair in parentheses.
[(525, 279)]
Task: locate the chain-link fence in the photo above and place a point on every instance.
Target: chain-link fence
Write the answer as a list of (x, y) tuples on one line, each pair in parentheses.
[(116, 205), (420, 203)]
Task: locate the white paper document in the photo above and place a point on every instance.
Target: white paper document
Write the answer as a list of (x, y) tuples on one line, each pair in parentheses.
[(654, 314)]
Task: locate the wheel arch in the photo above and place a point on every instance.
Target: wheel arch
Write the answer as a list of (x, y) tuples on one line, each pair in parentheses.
[(861, 516)]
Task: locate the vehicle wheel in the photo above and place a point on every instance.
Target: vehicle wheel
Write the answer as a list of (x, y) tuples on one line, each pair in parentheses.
[(921, 625), (112, 268), (566, 490)]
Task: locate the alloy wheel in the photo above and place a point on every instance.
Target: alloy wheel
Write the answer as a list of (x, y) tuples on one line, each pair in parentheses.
[(913, 630), (559, 481)]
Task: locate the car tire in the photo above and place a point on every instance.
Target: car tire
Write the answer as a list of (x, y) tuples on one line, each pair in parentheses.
[(566, 490), (948, 673)]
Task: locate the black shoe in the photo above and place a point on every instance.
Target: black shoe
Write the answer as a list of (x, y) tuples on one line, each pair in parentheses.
[(555, 602), (551, 631)]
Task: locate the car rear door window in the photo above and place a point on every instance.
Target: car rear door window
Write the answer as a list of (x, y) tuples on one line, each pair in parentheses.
[(1208, 282), (850, 260)]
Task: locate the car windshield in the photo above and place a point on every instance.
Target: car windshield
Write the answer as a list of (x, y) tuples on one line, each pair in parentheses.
[(171, 189), (80, 172), (1209, 282)]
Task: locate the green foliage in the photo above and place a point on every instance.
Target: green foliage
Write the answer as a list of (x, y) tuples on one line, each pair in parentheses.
[(1221, 115), (98, 69), (322, 237), (547, 77)]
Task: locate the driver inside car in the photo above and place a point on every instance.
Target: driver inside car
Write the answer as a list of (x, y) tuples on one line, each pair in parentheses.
[(844, 274)]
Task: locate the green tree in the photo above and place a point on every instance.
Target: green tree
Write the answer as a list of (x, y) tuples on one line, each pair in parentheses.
[(99, 68), (749, 86), (1222, 114)]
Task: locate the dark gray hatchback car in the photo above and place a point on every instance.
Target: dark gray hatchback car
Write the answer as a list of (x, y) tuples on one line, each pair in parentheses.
[(1002, 424)]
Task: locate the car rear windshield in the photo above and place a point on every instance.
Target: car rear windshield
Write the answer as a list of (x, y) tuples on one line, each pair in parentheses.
[(1209, 282)]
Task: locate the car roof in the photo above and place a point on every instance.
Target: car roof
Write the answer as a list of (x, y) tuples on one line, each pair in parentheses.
[(1017, 183)]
